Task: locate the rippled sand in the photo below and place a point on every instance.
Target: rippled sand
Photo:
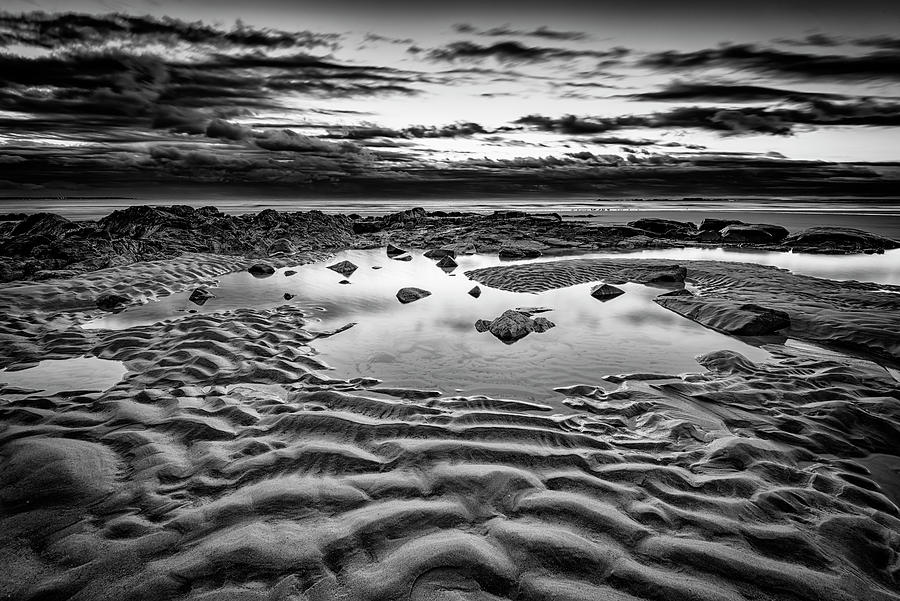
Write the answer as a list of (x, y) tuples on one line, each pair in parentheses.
[(226, 465)]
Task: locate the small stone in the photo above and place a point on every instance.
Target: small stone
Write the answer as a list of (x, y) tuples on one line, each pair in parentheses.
[(345, 268), (288, 296), (261, 270), (200, 296), (408, 295), (606, 292), (289, 273), (476, 292), (447, 263), (403, 258)]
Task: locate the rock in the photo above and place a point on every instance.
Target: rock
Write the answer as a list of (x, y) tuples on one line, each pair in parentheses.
[(289, 273), (440, 253), (844, 239), (753, 233), (409, 217), (727, 317), (200, 295), (282, 246), (288, 296), (605, 291), (664, 227), (513, 325), (710, 236), (476, 292), (49, 225), (447, 263), (714, 225), (510, 251), (403, 258), (408, 295), (675, 274), (261, 270), (376, 266), (393, 251), (110, 301), (533, 310), (344, 282), (504, 215), (542, 324), (345, 268)]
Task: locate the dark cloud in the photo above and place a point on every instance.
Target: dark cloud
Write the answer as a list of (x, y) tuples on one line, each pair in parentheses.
[(68, 29), (714, 92), (513, 51), (882, 64), (540, 32), (453, 130), (730, 121)]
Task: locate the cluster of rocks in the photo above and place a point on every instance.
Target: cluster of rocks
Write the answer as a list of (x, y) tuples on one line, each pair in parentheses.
[(513, 325), (45, 245)]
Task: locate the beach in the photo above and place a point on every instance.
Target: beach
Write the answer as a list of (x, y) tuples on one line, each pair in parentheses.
[(621, 411)]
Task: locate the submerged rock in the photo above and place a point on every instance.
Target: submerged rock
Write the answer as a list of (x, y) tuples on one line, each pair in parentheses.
[(200, 296), (345, 268), (408, 295), (606, 291), (110, 301), (261, 269), (513, 325)]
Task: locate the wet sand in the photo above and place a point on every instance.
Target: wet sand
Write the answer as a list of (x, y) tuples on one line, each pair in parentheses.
[(229, 463)]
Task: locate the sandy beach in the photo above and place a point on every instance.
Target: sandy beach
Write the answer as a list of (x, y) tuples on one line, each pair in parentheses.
[(319, 444)]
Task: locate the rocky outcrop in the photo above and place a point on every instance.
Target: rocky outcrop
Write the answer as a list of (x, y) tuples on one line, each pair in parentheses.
[(753, 233), (838, 240), (664, 227), (111, 301), (345, 268)]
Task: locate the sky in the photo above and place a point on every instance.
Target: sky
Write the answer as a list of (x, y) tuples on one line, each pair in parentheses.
[(655, 97)]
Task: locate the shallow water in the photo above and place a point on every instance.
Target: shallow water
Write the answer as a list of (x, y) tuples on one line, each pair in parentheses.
[(432, 343), (59, 375)]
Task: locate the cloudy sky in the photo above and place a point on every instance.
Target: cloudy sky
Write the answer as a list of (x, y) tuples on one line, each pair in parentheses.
[(782, 97)]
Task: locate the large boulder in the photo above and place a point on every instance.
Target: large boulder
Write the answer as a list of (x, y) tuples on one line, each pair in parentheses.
[(842, 239), (664, 227), (714, 225), (753, 233), (409, 217), (49, 225), (513, 325), (409, 295)]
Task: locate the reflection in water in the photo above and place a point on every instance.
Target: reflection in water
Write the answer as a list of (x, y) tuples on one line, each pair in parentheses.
[(432, 342), (58, 375)]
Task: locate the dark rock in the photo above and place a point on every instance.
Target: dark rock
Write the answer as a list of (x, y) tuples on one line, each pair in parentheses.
[(672, 275), (503, 215), (367, 227), (845, 239), (710, 236), (408, 295), (447, 263), (376, 266), (476, 292), (289, 273), (345, 268), (261, 270), (513, 325), (664, 227), (288, 296), (344, 282), (605, 291), (409, 217), (110, 301), (200, 295), (403, 258), (49, 225), (510, 251), (440, 253), (393, 251), (714, 225), (753, 233)]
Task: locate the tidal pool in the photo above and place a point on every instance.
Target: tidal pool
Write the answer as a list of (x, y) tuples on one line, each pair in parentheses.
[(61, 375), (432, 343)]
